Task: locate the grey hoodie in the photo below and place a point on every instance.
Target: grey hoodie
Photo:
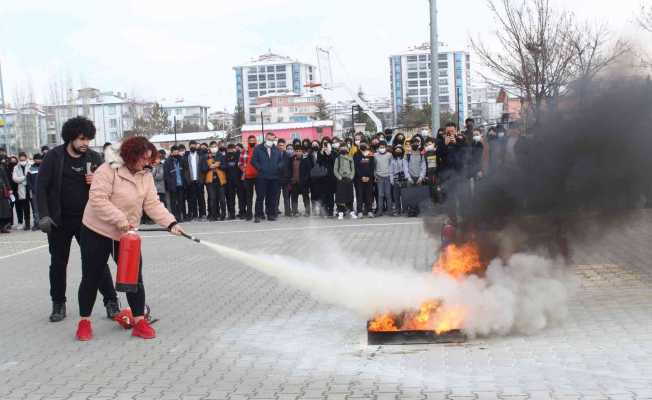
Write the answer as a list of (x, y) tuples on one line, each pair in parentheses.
[(382, 164)]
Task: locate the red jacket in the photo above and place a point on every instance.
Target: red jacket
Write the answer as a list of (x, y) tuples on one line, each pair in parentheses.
[(245, 164)]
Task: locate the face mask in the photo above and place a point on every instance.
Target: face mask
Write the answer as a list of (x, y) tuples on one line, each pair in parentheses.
[(357, 143), (222, 149), (415, 147), (398, 154), (290, 152), (213, 150), (315, 148), (501, 134), (336, 146), (343, 152), (365, 153), (252, 144), (430, 147), (477, 138), (382, 150), (23, 163)]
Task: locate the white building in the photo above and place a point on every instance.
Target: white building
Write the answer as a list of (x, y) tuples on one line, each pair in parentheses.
[(410, 79), (23, 129), (112, 113), (485, 107), (270, 73), (286, 107), (186, 113), (220, 120)]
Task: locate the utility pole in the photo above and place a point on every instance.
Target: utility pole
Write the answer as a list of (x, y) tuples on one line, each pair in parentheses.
[(262, 127), (434, 68), (2, 105), (175, 130)]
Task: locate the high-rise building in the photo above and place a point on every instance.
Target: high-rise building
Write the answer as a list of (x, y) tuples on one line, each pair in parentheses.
[(410, 80), (271, 73)]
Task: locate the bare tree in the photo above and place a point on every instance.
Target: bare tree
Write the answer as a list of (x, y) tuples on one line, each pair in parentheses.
[(542, 50), (645, 19)]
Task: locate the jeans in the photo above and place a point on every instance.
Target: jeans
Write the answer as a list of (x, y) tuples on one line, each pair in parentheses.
[(267, 192), (23, 211), (384, 191), (96, 250), (249, 186), (59, 241)]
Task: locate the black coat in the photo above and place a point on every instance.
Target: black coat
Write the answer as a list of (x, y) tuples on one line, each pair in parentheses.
[(5, 205), (267, 165), (170, 176), (50, 176)]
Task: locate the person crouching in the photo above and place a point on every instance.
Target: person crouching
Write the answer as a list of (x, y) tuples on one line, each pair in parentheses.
[(121, 190)]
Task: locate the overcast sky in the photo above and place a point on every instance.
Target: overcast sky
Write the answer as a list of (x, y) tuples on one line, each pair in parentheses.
[(163, 48)]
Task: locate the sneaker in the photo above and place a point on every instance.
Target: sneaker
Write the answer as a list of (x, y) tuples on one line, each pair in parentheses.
[(360, 215), (257, 220), (142, 329), (112, 308), (340, 216), (370, 214), (84, 330), (353, 215), (58, 312)]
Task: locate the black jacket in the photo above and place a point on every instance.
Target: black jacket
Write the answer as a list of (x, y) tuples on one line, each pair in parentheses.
[(50, 177), (170, 177)]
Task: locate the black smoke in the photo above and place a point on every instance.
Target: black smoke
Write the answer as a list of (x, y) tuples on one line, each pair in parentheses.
[(585, 165)]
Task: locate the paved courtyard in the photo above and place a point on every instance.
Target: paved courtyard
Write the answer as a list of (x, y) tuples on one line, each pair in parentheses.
[(229, 332)]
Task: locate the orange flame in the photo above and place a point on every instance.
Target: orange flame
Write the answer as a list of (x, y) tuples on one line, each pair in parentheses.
[(455, 261)]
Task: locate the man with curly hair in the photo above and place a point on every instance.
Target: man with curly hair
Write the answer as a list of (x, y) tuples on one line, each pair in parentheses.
[(64, 181)]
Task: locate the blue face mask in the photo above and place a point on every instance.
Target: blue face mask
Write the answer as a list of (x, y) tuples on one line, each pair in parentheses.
[(290, 152)]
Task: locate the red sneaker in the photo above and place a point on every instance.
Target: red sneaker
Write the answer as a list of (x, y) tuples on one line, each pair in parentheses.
[(143, 330), (84, 330)]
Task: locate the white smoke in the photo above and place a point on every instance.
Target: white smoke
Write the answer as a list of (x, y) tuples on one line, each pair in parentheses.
[(525, 296)]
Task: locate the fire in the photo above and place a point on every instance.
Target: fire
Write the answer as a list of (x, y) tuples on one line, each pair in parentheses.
[(457, 262)]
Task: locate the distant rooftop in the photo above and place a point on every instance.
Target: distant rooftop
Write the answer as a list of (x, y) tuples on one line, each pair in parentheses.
[(287, 125), (180, 103), (270, 58), (425, 48)]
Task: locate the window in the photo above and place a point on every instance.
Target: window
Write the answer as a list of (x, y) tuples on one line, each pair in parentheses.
[(412, 75), (280, 68), (281, 84), (413, 83), (425, 83), (262, 77), (252, 111), (423, 74), (262, 93), (252, 78), (280, 77), (443, 82), (423, 57), (110, 110), (443, 72), (412, 66), (270, 68), (271, 77), (411, 58), (253, 94), (412, 92), (113, 123), (424, 92), (262, 85), (272, 85), (252, 118), (443, 57), (253, 86), (443, 90), (442, 65), (424, 65), (179, 111)]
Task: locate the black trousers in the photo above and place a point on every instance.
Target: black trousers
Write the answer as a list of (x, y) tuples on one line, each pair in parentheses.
[(232, 190), (196, 200), (96, 250), (216, 200), (365, 196), (267, 192), (249, 187), (285, 191), (296, 190), (23, 211), (59, 241), (177, 204)]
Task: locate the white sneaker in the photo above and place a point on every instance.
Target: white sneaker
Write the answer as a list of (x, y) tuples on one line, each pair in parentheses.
[(370, 214), (353, 215), (360, 215), (340, 216)]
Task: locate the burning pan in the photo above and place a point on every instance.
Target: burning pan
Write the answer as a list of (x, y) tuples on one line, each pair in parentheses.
[(414, 337)]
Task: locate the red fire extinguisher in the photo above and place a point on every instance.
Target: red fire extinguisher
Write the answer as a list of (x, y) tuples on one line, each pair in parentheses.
[(126, 279)]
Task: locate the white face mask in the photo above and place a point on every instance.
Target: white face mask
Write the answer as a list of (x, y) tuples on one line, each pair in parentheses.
[(336, 146), (214, 150), (357, 142), (382, 150), (23, 163), (269, 143), (430, 147), (501, 134), (477, 138)]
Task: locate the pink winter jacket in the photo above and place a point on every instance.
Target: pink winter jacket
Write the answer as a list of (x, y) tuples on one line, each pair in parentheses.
[(118, 196)]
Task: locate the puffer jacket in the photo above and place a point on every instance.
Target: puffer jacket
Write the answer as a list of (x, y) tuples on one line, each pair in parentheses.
[(118, 196), (20, 177)]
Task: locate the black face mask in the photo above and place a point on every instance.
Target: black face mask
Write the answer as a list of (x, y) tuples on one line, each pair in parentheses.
[(415, 147), (178, 156), (398, 154), (252, 144), (344, 152), (222, 149), (193, 150), (315, 148)]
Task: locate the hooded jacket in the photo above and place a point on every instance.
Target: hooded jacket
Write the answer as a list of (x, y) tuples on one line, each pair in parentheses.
[(20, 177), (118, 196)]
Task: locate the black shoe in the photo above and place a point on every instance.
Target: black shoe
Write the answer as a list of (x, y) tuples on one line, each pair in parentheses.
[(257, 220), (112, 308), (26, 227), (271, 218), (58, 312), (231, 218), (222, 218)]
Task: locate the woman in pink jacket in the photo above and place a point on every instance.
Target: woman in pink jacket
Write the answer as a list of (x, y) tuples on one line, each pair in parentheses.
[(120, 192)]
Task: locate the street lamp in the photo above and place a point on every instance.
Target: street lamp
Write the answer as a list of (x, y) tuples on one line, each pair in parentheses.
[(434, 68)]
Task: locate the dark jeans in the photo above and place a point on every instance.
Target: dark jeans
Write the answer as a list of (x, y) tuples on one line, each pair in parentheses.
[(59, 241), (249, 186), (364, 196), (396, 194), (23, 211), (177, 204), (233, 190), (297, 189), (196, 201), (266, 191), (328, 202), (96, 250)]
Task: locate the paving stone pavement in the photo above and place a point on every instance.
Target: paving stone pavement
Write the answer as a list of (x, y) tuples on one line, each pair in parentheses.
[(229, 332)]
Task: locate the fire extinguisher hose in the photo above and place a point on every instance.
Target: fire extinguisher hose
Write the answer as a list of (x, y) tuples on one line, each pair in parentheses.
[(189, 237)]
